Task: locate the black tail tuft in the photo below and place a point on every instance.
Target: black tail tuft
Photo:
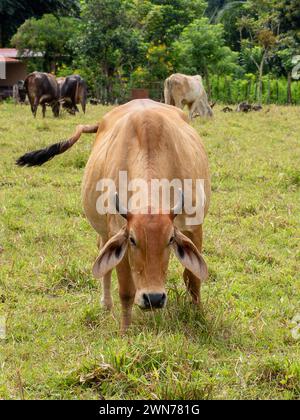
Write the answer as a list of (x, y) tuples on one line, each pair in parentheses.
[(39, 157)]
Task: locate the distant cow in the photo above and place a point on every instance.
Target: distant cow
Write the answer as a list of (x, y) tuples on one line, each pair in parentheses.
[(73, 91), (244, 107), (257, 108), (42, 89), (181, 90), (227, 109)]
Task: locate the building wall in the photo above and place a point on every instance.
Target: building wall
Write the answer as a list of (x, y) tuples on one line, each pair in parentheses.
[(14, 72)]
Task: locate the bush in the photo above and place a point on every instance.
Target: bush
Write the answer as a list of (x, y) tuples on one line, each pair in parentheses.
[(228, 90)]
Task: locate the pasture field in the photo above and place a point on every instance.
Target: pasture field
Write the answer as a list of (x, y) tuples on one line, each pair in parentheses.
[(61, 345)]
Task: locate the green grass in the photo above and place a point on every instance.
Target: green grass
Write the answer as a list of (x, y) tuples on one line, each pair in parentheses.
[(61, 345)]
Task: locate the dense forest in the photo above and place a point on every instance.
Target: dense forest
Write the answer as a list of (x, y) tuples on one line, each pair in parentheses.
[(243, 49)]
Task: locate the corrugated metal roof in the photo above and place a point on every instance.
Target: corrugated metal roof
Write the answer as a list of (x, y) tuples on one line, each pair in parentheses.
[(9, 52), (9, 60)]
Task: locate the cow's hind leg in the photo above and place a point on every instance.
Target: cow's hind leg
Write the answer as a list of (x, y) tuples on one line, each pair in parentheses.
[(127, 293), (83, 106), (35, 106), (44, 110), (192, 282), (106, 301), (31, 101)]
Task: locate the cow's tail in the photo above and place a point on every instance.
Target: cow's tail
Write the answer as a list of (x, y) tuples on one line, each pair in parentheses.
[(39, 157)]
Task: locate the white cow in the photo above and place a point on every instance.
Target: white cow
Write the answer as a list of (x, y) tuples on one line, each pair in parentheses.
[(181, 90)]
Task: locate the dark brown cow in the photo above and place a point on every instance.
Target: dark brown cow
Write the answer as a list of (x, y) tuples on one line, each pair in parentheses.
[(42, 89), (73, 91)]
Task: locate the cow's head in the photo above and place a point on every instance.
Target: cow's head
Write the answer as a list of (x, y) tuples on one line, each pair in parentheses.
[(203, 109), (148, 240)]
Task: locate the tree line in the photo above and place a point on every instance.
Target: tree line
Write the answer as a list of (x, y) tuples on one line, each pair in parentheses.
[(117, 45)]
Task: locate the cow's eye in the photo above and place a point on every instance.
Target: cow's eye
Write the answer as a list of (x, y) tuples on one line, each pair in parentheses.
[(172, 240), (132, 241)]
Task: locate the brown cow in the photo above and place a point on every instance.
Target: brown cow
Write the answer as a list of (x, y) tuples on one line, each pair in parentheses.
[(42, 89), (147, 141), (181, 90)]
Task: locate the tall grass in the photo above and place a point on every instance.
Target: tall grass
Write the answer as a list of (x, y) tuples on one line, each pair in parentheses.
[(233, 91), (60, 344)]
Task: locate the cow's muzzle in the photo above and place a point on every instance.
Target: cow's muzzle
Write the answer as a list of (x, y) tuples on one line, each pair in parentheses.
[(153, 301)]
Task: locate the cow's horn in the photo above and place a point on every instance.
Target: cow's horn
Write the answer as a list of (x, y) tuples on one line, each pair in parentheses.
[(120, 209), (178, 209)]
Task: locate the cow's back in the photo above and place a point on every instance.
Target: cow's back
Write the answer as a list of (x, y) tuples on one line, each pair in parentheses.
[(185, 89)]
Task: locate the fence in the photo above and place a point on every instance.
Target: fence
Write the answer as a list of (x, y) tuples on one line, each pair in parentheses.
[(224, 89), (275, 91)]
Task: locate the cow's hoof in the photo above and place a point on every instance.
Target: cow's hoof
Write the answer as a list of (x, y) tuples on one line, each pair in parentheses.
[(107, 305)]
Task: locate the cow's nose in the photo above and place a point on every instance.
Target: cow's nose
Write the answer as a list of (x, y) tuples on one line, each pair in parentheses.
[(154, 300)]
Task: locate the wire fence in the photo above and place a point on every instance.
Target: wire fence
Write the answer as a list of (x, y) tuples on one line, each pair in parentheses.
[(223, 89), (274, 91)]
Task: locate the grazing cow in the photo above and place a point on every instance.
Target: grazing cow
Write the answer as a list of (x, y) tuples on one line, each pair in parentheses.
[(42, 89), (181, 90), (244, 107), (227, 109), (148, 141), (257, 108), (73, 91)]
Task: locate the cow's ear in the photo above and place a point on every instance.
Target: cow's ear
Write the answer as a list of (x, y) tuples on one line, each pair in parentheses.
[(112, 254), (189, 256)]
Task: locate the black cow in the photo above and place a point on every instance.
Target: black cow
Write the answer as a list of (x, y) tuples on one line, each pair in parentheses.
[(73, 91), (42, 89), (244, 107)]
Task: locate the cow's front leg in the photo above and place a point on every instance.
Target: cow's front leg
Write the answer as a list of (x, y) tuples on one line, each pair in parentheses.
[(127, 292), (193, 285), (107, 302), (192, 109)]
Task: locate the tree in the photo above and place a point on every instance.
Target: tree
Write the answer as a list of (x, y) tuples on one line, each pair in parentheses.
[(288, 49), (109, 40), (259, 51), (261, 27), (50, 36), (289, 15), (14, 12), (228, 15), (201, 49), (165, 19)]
